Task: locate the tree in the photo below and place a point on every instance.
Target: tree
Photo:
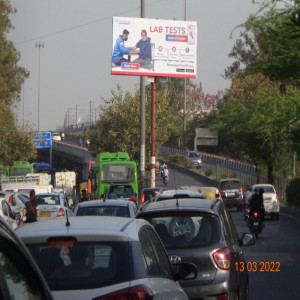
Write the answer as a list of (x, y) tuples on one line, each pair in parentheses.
[(269, 44), (119, 129), (11, 80), (262, 124)]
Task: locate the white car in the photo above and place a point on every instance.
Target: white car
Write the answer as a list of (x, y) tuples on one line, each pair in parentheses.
[(118, 208), (104, 258), (271, 199), (6, 213), (56, 136), (52, 205)]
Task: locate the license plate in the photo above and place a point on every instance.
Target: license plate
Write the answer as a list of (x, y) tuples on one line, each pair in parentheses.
[(45, 214), (230, 194), (255, 223)]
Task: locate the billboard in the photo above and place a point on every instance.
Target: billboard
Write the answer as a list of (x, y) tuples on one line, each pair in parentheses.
[(153, 47)]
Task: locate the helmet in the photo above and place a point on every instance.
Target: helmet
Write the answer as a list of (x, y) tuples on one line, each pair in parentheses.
[(248, 188)]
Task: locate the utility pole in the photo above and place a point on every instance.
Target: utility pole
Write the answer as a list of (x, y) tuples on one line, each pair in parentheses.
[(142, 118), (39, 45)]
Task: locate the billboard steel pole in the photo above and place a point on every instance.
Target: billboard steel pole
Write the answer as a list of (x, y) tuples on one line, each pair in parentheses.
[(153, 111)]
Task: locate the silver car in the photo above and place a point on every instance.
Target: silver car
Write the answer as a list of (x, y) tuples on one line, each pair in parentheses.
[(104, 258), (52, 205), (118, 208)]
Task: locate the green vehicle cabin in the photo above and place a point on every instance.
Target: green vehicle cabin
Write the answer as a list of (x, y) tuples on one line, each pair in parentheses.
[(112, 169), (20, 168)]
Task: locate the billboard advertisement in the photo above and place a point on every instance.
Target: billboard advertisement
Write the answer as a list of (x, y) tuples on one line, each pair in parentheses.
[(153, 47)]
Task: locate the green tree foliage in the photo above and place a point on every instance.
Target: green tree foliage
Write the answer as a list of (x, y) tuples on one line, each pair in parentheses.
[(269, 44), (15, 143), (119, 126), (259, 118)]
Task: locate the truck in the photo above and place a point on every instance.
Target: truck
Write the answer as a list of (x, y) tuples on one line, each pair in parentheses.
[(39, 182), (65, 181)]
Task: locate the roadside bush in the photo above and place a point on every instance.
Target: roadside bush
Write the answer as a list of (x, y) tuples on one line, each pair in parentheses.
[(209, 172), (292, 192), (176, 159)]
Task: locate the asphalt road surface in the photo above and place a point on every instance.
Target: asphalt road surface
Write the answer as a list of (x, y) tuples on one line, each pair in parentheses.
[(274, 261)]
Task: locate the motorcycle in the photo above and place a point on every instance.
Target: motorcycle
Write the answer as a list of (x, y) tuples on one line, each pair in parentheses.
[(255, 223), (165, 179)]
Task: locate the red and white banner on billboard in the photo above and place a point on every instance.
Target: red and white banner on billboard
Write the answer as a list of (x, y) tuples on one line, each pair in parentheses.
[(154, 47)]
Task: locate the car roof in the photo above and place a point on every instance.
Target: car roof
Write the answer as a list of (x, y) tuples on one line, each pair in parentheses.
[(195, 204), (263, 184), (49, 194), (173, 194), (85, 228), (107, 202), (229, 179)]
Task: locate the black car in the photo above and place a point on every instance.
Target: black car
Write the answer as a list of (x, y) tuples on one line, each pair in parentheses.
[(20, 278), (202, 232), (148, 194), (232, 192)]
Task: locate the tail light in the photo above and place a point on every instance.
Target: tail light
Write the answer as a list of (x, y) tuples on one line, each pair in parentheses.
[(60, 213), (222, 258), (10, 199), (143, 198), (133, 199), (240, 190), (277, 198), (223, 297), (221, 191), (139, 292), (255, 215)]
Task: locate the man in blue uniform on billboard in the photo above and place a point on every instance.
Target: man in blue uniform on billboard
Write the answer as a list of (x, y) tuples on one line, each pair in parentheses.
[(145, 56), (120, 49)]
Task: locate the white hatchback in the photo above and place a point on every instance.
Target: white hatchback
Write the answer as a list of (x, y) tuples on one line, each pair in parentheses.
[(271, 199), (51, 205), (104, 258)]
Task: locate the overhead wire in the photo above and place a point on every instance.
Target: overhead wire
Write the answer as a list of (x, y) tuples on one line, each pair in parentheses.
[(78, 26)]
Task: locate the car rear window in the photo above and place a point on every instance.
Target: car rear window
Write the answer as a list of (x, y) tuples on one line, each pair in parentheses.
[(230, 185), (184, 229), (118, 211), (267, 189), (73, 266), (120, 191), (47, 200)]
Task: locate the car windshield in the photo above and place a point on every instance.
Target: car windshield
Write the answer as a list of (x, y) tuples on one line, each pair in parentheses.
[(118, 211), (48, 200), (230, 185), (23, 198), (68, 265), (194, 154), (184, 229)]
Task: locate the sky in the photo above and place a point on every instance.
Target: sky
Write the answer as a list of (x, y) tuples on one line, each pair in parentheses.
[(75, 62)]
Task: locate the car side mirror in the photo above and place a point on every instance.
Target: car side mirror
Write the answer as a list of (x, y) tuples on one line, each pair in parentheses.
[(247, 240)]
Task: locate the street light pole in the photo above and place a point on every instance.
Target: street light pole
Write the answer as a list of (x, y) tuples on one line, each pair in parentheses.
[(39, 45)]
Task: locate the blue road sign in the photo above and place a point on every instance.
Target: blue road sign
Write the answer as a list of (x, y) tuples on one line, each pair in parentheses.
[(42, 139)]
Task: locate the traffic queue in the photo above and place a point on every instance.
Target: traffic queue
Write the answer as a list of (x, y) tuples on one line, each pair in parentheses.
[(174, 243)]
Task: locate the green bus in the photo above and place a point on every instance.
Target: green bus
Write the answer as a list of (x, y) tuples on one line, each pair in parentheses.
[(20, 168), (112, 169)]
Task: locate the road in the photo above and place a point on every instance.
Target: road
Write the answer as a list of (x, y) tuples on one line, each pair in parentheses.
[(279, 243)]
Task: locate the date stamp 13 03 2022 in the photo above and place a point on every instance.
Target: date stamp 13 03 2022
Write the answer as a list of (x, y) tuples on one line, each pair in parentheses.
[(261, 266)]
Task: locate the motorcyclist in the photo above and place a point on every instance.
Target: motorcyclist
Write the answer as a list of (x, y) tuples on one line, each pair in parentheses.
[(247, 195), (165, 174), (162, 168), (256, 203)]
